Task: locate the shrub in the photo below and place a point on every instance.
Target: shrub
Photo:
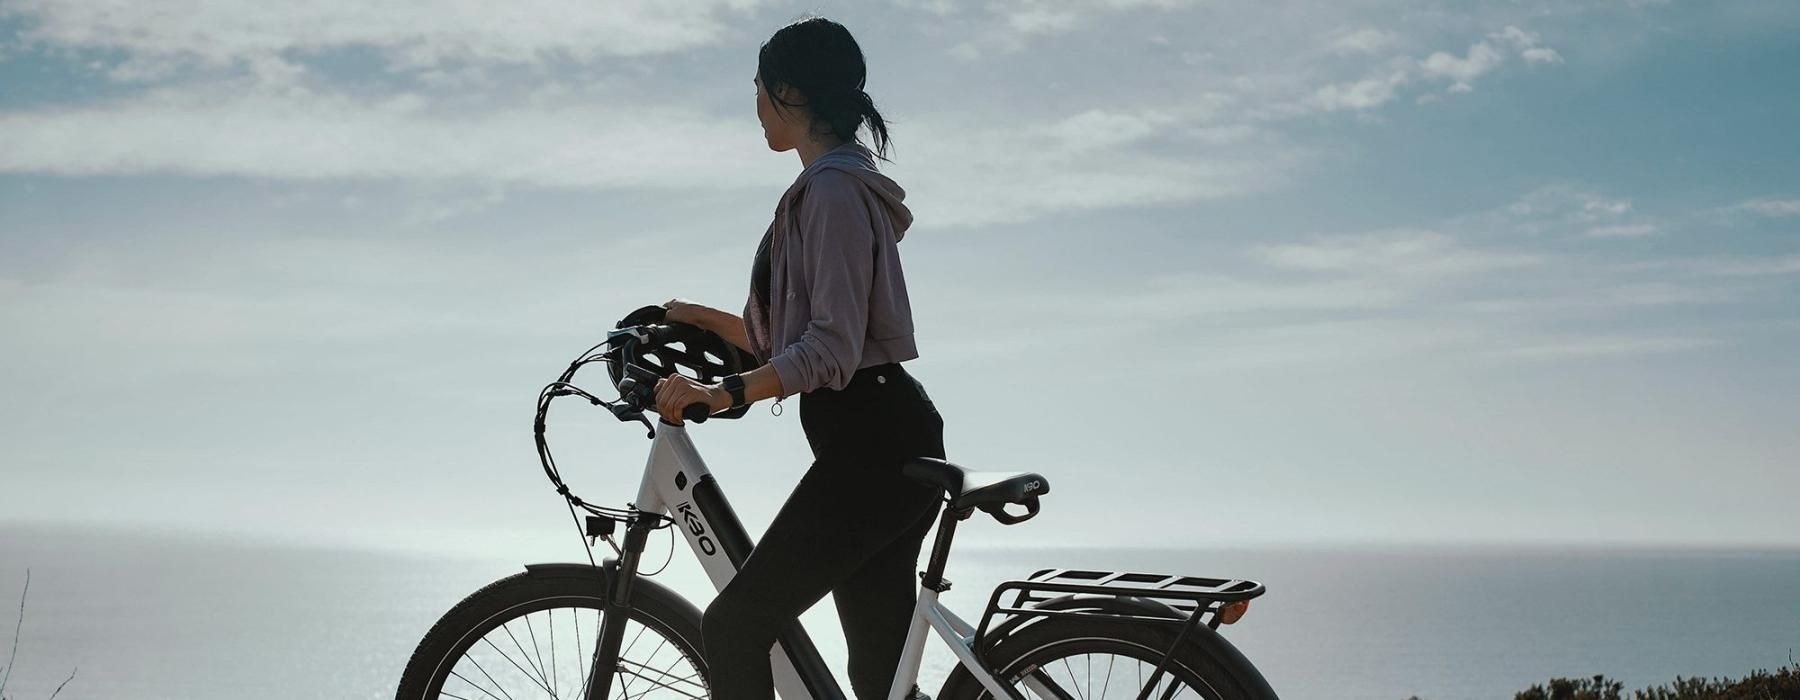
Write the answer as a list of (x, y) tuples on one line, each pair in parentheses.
[(1782, 684), (1596, 688)]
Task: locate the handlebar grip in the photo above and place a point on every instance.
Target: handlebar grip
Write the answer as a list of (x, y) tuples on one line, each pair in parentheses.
[(697, 412)]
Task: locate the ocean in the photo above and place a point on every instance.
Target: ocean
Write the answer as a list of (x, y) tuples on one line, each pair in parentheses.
[(152, 617)]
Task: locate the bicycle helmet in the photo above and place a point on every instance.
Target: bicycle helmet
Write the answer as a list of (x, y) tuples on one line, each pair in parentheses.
[(672, 347)]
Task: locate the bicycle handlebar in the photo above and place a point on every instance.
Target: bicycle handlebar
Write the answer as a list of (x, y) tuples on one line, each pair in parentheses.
[(639, 387)]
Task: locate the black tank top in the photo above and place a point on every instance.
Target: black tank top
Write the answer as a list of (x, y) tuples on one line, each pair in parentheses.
[(759, 272)]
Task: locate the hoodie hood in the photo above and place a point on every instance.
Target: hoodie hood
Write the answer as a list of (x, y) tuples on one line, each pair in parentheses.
[(856, 159)]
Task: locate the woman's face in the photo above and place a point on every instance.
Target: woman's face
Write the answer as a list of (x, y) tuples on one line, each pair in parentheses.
[(778, 127)]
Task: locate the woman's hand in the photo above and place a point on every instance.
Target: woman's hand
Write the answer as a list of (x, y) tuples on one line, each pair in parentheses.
[(677, 391), (684, 311)]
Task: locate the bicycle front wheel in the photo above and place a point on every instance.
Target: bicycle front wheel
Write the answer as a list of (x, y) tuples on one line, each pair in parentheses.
[(532, 635), (1098, 659)]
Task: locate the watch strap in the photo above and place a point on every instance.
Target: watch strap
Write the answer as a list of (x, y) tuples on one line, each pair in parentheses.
[(734, 384)]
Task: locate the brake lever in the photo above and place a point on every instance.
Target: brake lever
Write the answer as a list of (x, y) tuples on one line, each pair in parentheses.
[(627, 408)]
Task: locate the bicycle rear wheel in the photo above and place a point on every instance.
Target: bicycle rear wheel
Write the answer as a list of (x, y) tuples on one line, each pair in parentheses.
[(1097, 659), (532, 635)]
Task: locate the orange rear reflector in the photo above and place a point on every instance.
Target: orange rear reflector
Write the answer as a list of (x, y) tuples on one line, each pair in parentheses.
[(1232, 612)]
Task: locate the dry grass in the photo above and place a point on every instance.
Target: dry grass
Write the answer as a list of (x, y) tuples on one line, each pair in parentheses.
[(12, 657)]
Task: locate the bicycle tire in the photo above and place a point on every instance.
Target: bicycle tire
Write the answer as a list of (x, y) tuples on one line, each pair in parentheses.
[(544, 588), (1044, 642)]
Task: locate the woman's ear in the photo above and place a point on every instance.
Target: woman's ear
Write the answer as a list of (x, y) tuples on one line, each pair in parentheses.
[(791, 95)]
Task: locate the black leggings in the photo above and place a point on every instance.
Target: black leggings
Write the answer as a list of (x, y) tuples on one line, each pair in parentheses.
[(852, 527)]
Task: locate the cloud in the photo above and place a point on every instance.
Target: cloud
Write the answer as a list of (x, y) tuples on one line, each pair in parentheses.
[(1622, 231), (1486, 55), (1007, 172), (1541, 55), (1481, 58), (1365, 40), (1413, 295), (1469, 288), (409, 32), (211, 132), (1772, 207), (1605, 346), (1596, 206), (1092, 159), (1009, 26), (1571, 209), (1360, 95), (1746, 267), (1401, 253), (1042, 19)]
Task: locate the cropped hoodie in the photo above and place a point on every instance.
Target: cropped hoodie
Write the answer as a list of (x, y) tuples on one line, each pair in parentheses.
[(837, 297)]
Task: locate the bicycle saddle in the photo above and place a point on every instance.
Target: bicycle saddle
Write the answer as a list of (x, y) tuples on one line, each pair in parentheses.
[(989, 491)]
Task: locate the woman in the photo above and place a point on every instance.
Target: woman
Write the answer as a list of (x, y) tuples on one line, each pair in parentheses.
[(828, 315)]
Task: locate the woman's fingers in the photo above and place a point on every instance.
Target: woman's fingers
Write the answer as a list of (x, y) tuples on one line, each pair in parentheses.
[(665, 389), (682, 311), (662, 396), (674, 393)]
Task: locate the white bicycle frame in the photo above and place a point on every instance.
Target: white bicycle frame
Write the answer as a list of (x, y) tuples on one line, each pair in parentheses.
[(677, 482)]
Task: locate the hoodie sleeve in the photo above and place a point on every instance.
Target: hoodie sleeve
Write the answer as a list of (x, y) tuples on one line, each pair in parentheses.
[(837, 247)]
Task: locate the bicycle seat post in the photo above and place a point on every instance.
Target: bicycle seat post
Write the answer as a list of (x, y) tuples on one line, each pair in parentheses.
[(933, 575)]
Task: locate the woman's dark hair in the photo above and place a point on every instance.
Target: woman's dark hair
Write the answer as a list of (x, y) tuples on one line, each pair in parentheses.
[(819, 58)]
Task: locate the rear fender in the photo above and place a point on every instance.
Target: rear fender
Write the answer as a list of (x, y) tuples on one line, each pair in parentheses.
[(1209, 640)]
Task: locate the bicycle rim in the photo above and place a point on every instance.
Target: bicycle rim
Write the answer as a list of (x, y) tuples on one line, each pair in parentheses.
[(542, 650), (1102, 668)]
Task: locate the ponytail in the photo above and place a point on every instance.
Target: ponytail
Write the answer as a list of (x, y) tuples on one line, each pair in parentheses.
[(877, 125)]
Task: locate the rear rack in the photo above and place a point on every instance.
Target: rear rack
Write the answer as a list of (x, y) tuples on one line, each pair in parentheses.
[(1176, 600)]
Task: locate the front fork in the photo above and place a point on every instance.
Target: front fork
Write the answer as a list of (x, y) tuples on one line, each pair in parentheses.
[(617, 612)]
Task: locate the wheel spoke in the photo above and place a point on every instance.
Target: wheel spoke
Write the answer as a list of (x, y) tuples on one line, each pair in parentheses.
[(1087, 665), (623, 661), (689, 679), (490, 677), (669, 686), (515, 664), (580, 668), (553, 685), (679, 657), (1072, 676), (507, 627), (544, 672), (484, 691), (634, 640)]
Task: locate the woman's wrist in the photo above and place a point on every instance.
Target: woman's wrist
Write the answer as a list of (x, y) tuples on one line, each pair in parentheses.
[(717, 398)]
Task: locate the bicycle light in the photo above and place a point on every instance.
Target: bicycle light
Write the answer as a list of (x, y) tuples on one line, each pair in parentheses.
[(1232, 612), (598, 527)]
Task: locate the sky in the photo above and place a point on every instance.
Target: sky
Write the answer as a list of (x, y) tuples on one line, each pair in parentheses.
[(1226, 273)]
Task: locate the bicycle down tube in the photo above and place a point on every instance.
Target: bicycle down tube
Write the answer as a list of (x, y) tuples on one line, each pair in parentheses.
[(677, 482)]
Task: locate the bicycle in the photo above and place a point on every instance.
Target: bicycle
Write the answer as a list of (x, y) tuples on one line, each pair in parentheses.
[(1033, 646)]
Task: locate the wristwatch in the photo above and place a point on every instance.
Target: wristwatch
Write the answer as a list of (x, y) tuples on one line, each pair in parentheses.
[(735, 385)]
